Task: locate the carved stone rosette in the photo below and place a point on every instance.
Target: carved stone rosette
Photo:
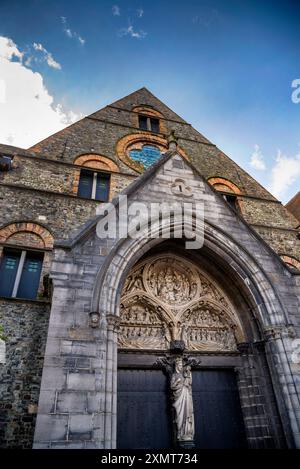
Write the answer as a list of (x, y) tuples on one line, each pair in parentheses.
[(167, 298)]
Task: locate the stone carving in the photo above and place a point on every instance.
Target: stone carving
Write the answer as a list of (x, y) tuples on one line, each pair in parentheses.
[(182, 401), (179, 187), (134, 282), (141, 328), (207, 330), (167, 299), (178, 369), (171, 281)]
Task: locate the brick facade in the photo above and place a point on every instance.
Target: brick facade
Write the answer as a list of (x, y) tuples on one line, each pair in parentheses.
[(40, 204)]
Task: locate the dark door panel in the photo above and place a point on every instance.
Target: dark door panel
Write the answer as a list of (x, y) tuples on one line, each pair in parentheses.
[(218, 415), (144, 410), (143, 414)]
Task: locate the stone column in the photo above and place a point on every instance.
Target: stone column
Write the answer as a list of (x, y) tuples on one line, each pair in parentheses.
[(110, 419), (278, 348)]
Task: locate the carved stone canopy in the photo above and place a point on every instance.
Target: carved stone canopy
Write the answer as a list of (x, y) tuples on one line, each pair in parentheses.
[(167, 298)]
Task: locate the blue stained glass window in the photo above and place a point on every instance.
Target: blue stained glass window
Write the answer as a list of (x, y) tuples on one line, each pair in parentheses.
[(146, 156)]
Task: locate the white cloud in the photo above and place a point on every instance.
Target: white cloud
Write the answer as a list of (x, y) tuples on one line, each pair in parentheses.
[(68, 32), (285, 172), (27, 110), (116, 10), (47, 56), (71, 34), (8, 49), (131, 32), (257, 159), (140, 12)]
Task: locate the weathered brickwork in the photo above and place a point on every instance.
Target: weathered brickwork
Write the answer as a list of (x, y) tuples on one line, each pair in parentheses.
[(40, 205), (39, 174), (282, 241), (269, 214), (63, 214), (25, 326)]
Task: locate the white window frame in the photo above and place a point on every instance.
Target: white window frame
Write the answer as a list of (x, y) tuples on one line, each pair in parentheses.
[(18, 274)]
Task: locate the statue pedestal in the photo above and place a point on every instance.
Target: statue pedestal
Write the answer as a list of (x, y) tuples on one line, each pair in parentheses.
[(189, 444)]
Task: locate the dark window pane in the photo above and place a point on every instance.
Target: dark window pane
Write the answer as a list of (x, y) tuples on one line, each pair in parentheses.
[(30, 278), (85, 184), (5, 163), (102, 187), (8, 271), (154, 125), (143, 122), (231, 199)]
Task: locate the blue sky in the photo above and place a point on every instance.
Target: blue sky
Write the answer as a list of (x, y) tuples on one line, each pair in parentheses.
[(225, 66)]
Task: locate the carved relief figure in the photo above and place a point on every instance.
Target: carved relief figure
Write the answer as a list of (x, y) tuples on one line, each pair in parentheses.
[(182, 401), (166, 298), (141, 328), (134, 282), (171, 282)]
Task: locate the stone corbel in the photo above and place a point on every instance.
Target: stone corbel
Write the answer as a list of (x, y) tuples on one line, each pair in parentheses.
[(279, 332), (94, 319)]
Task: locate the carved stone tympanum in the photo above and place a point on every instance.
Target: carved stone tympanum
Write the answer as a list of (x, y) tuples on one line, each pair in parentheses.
[(166, 298), (171, 281)]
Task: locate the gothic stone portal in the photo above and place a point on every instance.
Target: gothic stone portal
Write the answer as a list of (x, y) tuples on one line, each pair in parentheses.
[(165, 299)]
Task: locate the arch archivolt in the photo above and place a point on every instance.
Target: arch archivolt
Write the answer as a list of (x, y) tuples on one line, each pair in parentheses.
[(167, 298)]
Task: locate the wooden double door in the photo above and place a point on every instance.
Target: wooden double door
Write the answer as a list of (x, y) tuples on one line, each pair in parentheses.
[(144, 419)]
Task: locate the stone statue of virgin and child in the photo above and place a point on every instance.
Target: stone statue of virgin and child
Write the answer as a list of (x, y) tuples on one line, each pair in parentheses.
[(182, 401)]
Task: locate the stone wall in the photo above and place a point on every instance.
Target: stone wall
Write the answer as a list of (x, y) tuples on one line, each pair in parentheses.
[(25, 327), (62, 214)]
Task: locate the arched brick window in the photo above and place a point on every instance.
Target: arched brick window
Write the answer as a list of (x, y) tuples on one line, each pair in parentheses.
[(93, 181), (24, 259), (97, 162), (148, 118), (224, 185), (230, 191)]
